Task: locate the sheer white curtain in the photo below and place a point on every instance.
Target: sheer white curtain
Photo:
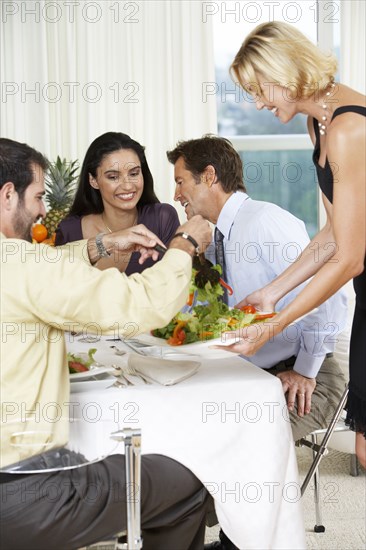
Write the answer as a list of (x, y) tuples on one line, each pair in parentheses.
[(73, 70), (353, 44)]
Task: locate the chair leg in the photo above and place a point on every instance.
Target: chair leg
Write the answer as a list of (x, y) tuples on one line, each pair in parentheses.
[(318, 528), (323, 446), (354, 466), (132, 442)]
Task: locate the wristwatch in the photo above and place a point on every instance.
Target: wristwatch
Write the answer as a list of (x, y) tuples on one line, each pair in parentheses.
[(102, 251), (190, 239)]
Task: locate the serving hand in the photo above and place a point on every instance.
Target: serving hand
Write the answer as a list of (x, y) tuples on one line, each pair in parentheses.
[(137, 238), (260, 299), (251, 338)]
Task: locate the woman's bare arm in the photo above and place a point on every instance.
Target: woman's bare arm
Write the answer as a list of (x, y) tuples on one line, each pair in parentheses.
[(346, 145), (314, 256)]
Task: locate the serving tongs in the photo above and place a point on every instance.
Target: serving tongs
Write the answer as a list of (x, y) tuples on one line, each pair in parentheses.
[(206, 273)]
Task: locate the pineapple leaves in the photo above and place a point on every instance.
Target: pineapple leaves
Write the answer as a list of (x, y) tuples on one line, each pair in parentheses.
[(60, 184)]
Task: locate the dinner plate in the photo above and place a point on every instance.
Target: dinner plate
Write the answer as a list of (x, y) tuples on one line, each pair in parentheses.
[(92, 374), (201, 349), (160, 347)]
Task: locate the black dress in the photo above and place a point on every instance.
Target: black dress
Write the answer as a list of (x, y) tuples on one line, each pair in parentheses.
[(356, 405)]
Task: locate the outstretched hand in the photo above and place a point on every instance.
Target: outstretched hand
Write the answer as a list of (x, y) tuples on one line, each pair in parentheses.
[(135, 239), (249, 339)]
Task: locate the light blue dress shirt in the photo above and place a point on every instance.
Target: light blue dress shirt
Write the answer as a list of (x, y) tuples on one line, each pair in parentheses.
[(260, 241)]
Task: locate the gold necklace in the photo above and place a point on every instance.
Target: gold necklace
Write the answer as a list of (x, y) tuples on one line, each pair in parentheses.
[(322, 125), (109, 229), (105, 225)]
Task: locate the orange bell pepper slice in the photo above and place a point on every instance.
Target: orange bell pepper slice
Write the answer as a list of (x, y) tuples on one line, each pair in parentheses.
[(205, 333), (261, 316)]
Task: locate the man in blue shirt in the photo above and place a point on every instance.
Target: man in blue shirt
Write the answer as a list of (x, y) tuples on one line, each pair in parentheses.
[(260, 239)]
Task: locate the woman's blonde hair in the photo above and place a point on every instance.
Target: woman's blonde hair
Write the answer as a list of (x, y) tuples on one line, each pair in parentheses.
[(283, 55)]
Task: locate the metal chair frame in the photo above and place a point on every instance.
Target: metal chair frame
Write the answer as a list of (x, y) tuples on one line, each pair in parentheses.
[(321, 450), (132, 441)]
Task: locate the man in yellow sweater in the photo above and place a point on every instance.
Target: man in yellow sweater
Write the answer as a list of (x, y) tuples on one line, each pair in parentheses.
[(45, 291)]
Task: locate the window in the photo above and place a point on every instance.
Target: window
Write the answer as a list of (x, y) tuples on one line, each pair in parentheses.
[(277, 158)]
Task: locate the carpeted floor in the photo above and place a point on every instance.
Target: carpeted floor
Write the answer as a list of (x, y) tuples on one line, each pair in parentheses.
[(343, 500)]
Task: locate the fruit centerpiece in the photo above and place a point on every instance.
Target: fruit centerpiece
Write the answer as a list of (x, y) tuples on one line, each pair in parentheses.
[(60, 189)]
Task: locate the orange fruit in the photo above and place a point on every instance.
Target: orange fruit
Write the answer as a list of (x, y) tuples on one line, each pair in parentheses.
[(39, 232)]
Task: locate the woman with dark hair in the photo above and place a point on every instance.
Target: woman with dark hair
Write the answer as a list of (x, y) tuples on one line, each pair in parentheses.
[(116, 191)]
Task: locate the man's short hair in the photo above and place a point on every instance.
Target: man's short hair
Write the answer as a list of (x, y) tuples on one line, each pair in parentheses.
[(16, 160), (215, 151)]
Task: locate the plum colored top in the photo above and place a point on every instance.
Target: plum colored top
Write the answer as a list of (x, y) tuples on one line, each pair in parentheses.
[(162, 219)]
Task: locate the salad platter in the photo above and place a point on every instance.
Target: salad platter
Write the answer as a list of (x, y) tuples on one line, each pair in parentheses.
[(196, 349)]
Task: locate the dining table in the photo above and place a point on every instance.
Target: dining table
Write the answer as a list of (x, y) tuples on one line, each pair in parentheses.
[(227, 422)]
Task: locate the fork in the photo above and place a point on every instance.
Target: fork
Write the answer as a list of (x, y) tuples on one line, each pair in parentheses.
[(133, 372)]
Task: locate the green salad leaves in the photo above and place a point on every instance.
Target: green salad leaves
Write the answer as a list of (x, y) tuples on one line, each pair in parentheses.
[(81, 362), (205, 321)]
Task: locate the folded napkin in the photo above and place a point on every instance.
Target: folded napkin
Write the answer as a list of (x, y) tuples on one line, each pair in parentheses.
[(164, 371)]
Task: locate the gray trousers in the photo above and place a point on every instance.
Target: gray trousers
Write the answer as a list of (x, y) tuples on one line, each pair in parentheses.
[(330, 384), (69, 509)]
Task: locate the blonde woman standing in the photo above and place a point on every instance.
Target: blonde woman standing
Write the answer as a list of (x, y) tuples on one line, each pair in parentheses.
[(287, 74)]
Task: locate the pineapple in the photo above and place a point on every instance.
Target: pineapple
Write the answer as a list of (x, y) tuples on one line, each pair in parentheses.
[(60, 190)]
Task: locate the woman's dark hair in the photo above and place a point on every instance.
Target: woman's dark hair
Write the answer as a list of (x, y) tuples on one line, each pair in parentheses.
[(16, 161), (89, 200)]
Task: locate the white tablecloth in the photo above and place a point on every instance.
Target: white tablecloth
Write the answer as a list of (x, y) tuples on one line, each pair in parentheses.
[(228, 424)]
